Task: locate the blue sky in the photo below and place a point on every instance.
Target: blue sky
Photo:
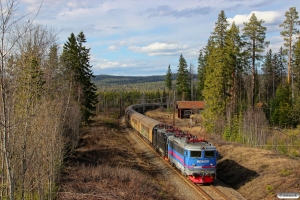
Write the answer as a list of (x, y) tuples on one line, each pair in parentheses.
[(144, 37)]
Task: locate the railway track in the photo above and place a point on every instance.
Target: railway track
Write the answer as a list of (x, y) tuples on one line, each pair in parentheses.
[(209, 192)]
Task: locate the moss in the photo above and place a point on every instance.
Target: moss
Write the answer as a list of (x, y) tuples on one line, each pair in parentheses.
[(270, 189), (286, 172)]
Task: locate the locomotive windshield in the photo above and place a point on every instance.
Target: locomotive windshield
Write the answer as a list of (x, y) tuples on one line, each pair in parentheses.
[(195, 154), (209, 154)]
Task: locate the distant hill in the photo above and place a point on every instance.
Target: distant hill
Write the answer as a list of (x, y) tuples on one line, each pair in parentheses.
[(141, 83), (121, 80)]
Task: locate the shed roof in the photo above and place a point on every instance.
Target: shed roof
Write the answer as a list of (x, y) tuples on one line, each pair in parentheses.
[(190, 104)]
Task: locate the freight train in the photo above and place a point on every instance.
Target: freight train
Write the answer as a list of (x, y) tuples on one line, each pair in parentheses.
[(195, 158)]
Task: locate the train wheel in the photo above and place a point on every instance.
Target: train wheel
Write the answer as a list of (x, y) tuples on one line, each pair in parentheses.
[(183, 173), (172, 164)]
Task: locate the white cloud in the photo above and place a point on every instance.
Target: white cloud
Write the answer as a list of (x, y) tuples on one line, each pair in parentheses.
[(122, 43), (166, 10), (72, 4), (104, 63), (270, 17), (157, 48), (113, 48)]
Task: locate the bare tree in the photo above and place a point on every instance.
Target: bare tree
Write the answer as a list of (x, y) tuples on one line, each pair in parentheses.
[(34, 121), (6, 129)]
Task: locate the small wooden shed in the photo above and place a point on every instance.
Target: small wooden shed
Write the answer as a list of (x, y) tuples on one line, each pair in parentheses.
[(186, 108)]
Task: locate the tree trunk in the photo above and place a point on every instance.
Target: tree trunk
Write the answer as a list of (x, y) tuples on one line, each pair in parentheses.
[(253, 75)]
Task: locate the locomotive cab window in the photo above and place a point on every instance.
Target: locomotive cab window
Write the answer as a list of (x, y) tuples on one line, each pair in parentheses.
[(195, 154), (209, 154)]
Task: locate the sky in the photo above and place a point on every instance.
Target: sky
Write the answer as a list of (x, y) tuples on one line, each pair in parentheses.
[(144, 37)]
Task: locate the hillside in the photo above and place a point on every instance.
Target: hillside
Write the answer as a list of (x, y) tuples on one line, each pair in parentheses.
[(141, 83), (121, 80), (120, 83)]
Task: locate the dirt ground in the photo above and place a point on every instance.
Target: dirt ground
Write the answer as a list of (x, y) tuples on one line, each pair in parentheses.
[(105, 166), (254, 173)]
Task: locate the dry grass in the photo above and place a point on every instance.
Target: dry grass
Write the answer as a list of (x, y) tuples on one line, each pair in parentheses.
[(104, 166), (255, 173)]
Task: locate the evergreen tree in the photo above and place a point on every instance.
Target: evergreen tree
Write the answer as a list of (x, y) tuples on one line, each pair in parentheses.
[(216, 78), (182, 80), (268, 72), (168, 83), (168, 80), (276, 73), (296, 64), (281, 64), (75, 58), (282, 115), (289, 26), (70, 60), (254, 36), (201, 75), (89, 89), (234, 68), (52, 70)]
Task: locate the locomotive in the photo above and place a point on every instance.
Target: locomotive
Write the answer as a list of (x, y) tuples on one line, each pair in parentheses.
[(195, 158)]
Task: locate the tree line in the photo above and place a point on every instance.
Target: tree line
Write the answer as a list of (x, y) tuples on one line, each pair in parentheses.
[(250, 96), (45, 98)]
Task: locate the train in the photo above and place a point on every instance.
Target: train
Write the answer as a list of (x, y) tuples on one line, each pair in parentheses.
[(194, 158)]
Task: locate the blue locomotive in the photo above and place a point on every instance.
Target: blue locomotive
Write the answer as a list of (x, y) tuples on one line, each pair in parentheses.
[(195, 158)]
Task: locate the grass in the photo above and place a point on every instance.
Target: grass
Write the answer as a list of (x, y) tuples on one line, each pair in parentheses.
[(104, 166), (286, 172), (270, 189)]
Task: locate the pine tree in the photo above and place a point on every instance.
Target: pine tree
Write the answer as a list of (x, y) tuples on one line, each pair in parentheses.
[(276, 73), (268, 71), (168, 81), (282, 115), (76, 58), (216, 77), (182, 80), (289, 26), (296, 64), (254, 36), (235, 67), (201, 75), (281, 65), (89, 89)]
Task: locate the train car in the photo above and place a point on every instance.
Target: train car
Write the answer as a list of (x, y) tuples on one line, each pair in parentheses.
[(160, 137), (147, 125), (194, 157), (142, 124)]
